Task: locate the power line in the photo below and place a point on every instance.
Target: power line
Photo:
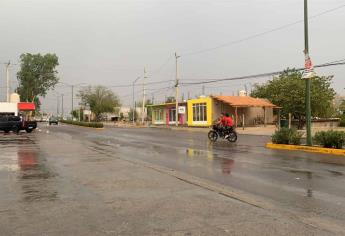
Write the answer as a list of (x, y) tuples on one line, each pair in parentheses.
[(162, 66), (338, 62), (261, 34)]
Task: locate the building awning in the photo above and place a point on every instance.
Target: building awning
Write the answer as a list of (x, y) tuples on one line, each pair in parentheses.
[(26, 106), (167, 104), (244, 101)]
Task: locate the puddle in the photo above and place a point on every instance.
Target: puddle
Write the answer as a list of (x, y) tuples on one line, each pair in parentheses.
[(36, 180), (226, 164)]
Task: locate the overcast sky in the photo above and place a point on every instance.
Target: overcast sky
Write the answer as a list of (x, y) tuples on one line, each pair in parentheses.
[(109, 42)]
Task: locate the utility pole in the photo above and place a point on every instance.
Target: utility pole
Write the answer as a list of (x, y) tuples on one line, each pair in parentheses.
[(308, 79), (177, 90), (203, 90), (143, 107), (72, 100), (134, 104), (8, 81), (57, 105), (62, 106)]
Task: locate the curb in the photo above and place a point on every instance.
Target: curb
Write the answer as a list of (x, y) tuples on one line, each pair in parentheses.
[(332, 151)]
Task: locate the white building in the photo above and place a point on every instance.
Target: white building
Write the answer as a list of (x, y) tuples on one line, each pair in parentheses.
[(8, 108)]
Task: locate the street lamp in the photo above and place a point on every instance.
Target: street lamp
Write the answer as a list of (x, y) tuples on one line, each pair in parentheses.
[(133, 111), (72, 87)]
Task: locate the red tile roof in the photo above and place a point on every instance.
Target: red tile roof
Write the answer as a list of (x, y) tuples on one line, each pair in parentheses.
[(244, 101)]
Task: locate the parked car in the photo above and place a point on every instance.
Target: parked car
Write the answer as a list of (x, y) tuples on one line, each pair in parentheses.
[(10, 123), (28, 125), (53, 120)]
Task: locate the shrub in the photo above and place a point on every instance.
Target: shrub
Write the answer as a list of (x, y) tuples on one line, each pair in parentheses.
[(287, 136), (330, 139), (85, 124), (342, 121)]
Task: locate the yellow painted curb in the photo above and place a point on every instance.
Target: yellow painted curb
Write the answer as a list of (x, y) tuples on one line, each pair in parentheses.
[(340, 152)]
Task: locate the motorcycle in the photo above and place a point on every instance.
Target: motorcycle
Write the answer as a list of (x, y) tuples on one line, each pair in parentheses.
[(221, 132)]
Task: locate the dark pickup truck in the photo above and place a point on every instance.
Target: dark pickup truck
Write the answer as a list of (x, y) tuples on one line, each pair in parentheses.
[(10, 123), (16, 124)]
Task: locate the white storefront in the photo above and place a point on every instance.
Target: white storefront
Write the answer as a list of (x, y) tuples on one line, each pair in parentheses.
[(8, 108)]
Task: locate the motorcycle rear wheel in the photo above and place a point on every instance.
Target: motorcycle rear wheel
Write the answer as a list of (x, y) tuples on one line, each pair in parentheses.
[(232, 137)]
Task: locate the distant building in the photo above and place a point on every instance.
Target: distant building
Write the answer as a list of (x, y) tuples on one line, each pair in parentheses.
[(165, 114), (14, 107), (122, 113)]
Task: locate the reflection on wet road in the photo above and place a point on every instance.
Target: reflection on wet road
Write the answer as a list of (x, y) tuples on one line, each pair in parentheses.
[(28, 169), (307, 183)]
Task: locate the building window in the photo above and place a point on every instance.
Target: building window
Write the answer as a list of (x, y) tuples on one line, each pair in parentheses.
[(159, 115), (172, 115), (199, 112)]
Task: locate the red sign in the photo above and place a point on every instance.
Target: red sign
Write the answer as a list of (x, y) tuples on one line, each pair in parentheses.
[(26, 106), (308, 65), (308, 68)]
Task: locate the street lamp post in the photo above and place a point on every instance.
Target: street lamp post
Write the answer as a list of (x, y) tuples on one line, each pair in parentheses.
[(133, 111), (72, 97), (308, 79)]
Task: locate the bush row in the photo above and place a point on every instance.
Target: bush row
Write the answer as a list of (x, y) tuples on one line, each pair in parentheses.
[(287, 136), (342, 121), (327, 139), (85, 124), (330, 139)]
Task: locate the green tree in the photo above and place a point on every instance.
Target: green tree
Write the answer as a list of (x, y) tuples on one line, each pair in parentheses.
[(342, 107), (100, 99), (288, 91), (75, 114), (170, 99), (37, 76), (130, 115), (148, 108)]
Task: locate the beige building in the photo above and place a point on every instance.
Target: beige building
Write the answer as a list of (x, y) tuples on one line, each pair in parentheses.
[(244, 109)]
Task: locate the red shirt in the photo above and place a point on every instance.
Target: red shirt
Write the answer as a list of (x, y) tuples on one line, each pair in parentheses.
[(226, 121)]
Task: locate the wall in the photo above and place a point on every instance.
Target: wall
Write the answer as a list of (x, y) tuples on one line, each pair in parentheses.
[(209, 110), (257, 113), (7, 107), (160, 122), (250, 113), (166, 110)]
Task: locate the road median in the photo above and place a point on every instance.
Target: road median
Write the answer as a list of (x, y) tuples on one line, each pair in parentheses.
[(92, 125)]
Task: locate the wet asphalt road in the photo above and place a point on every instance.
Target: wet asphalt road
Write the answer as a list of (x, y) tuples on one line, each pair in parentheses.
[(312, 185)]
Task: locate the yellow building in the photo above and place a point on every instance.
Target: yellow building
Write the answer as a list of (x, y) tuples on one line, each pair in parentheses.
[(200, 111)]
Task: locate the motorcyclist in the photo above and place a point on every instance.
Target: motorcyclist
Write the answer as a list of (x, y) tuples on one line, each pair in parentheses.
[(226, 122)]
